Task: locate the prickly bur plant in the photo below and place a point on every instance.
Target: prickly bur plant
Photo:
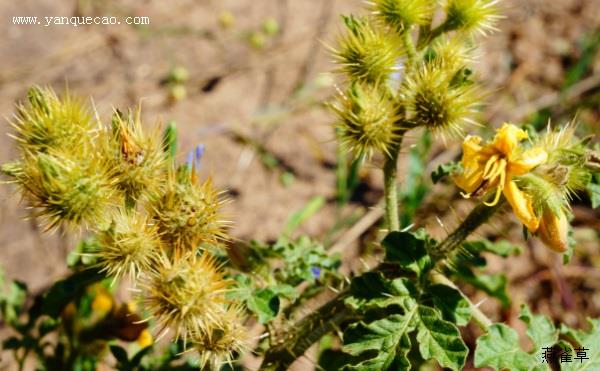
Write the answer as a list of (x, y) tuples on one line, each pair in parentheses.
[(129, 246), (407, 310), (368, 119), (365, 54), (156, 225), (137, 158), (187, 212), (187, 295), (148, 218)]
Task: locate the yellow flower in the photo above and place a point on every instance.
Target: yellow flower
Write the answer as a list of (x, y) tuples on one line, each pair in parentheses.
[(145, 339), (494, 164)]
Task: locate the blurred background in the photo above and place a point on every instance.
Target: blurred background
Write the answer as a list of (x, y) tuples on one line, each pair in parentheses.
[(249, 78)]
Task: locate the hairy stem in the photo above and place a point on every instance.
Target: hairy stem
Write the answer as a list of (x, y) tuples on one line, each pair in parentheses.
[(391, 190), (307, 331), (333, 313), (409, 48), (477, 217)]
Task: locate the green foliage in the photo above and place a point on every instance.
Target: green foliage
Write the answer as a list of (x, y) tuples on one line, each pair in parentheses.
[(451, 303), (372, 291), (397, 310), (443, 171), (386, 340), (301, 259), (409, 251), (12, 298), (64, 291), (587, 339), (390, 336), (123, 361), (170, 140), (296, 219), (263, 302), (540, 329), (500, 349), (593, 190)]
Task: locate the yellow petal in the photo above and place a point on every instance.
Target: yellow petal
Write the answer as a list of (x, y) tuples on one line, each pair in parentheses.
[(527, 160), (508, 137), (521, 205), (145, 339), (103, 302), (553, 231), (471, 177), (470, 146), (468, 181)]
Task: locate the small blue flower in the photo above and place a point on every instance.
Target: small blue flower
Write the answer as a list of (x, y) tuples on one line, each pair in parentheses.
[(193, 157), (199, 153), (190, 159), (316, 272)]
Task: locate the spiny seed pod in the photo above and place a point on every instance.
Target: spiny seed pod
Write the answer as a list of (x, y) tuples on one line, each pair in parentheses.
[(402, 14), (365, 54), (218, 344), (449, 53), (545, 193), (63, 190), (136, 158), (367, 119), (567, 160), (187, 294), (187, 213), (49, 123), (129, 246), (471, 15), (438, 99)]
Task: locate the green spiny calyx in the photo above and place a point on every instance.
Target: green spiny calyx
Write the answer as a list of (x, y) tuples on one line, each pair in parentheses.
[(368, 119), (472, 16), (218, 344), (365, 53), (436, 98), (137, 158), (186, 294), (129, 246), (402, 14), (63, 190), (187, 213), (49, 123)]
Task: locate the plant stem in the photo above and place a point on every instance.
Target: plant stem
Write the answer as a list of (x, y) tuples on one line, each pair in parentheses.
[(391, 190), (306, 332), (333, 313), (477, 217), (409, 48)]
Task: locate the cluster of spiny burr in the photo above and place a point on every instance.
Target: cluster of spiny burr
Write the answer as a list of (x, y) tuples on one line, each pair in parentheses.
[(155, 221), (404, 70)]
